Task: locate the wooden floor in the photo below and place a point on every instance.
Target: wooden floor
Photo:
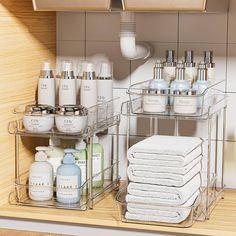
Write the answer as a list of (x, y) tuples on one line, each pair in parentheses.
[(4, 232), (106, 213)]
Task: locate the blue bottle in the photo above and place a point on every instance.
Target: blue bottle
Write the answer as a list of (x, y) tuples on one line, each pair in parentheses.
[(179, 83), (68, 179)]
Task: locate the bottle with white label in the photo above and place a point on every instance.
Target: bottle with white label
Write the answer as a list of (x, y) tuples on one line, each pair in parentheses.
[(104, 83), (41, 177), (67, 87), (68, 179), (169, 66), (208, 59), (179, 83), (190, 68), (88, 92), (98, 162), (46, 86)]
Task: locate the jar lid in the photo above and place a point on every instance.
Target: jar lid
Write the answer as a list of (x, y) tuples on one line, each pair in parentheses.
[(72, 110), (39, 110), (189, 92), (155, 91)]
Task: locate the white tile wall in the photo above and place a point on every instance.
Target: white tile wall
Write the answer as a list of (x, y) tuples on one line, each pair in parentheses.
[(84, 34)]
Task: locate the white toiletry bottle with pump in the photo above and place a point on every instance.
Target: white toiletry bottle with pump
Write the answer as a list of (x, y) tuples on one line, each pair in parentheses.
[(201, 85), (208, 59), (88, 92), (179, 83), (67, 87), (105, 83), (98, 162), (46, 86), (190, 68), (68, 179), (41, 177), (169, 66)]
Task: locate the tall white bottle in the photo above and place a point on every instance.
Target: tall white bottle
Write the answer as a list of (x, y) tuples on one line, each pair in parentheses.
[(208, 60), (190, 68), (46, 86), (105, 83), (67, 87), (41, 177), (88, 92)]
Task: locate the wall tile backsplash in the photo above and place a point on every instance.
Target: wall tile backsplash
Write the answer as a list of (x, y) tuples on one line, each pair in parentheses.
[(82, 35)]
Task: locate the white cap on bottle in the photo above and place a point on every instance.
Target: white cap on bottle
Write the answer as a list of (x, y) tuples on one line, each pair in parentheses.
[(46, 66), (67, 66), (89, 67), (105, 70), (80, 145), (40, 154)]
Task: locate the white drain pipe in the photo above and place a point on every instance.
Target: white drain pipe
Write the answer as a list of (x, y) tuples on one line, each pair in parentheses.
[(128, 46)]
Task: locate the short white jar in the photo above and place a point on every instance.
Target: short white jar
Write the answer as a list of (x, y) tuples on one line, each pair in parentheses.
[(71, 119), (154, 101), (38, 119), (185, 102)]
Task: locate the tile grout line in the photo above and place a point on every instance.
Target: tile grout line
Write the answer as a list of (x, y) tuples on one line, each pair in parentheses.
[(178, 43), (227, 52), (85, 35)]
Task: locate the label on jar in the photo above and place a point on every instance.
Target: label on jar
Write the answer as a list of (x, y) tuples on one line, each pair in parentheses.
[(67, 186), (97, 159), (40, 185), (185, 105), (68, 124), (154, 103), (82, 165)]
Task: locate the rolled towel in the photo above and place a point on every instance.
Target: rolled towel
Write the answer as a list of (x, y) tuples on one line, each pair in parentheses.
[(164, 214), (165, 151), (154, 194), (136, 174)]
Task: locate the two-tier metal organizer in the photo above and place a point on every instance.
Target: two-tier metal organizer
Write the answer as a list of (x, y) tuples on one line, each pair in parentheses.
[(101, 119), (209, 118)]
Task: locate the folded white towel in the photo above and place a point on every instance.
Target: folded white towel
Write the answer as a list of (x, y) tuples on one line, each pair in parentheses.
[(155, 194), (160, 178), (167, 169), (164, 214), (165, 151)]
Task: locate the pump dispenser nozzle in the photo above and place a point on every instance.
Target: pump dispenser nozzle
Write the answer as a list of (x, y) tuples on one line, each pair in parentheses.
[(105, 72), (180, 75), (202, 71), (189, 59), (67, 72), (158, 71), (208, 59), (170, 58), (89, 72), (46, 72)]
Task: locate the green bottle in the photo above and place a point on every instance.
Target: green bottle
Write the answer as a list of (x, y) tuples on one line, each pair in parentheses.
[(98, 162)]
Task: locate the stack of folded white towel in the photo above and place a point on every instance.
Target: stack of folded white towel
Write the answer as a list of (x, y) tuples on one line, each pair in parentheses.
[(164, 178)]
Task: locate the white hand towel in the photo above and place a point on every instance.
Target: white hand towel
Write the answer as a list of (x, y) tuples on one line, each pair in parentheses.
[(166, 179), (168, 150), (154, 194), (164, 214), (166, 169)]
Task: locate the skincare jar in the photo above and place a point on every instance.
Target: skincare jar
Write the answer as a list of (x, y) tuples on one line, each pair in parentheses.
[(185, 102), (154, 101), (71, 118), (39, 118)]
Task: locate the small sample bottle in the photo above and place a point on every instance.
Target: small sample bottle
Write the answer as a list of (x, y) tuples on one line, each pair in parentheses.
[(179, 83), (88, 92), (67, 87), (105, 83), (190, 68), (98, 162), (169, 66), (46, 86), (81, 159), (158, 81), (68, 179), (201, 84), (41, 177), (208, 59)]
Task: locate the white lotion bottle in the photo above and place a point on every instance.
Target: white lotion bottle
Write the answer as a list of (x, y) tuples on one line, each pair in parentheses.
[(105, 83), (208, 59), (190, 68), (41, 177), (80, 68), (67, 87), (169, 66), (179, 84), (88, 92), (46, 86)]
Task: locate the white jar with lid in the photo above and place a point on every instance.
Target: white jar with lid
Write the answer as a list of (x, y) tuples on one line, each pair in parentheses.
[(39, 118), (71, 119), (154, 101), (185, 102)]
